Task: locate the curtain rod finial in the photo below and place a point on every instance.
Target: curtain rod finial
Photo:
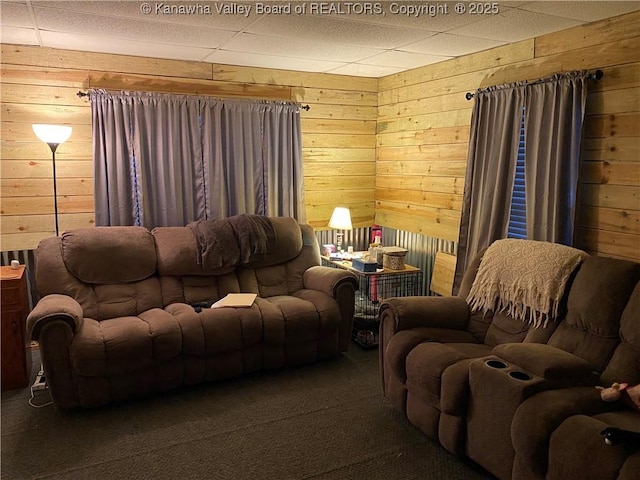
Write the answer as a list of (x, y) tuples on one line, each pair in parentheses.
[(469, 96)]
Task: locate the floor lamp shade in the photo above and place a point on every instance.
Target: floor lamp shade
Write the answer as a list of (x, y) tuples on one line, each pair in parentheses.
[(49, 134), (53, 135)]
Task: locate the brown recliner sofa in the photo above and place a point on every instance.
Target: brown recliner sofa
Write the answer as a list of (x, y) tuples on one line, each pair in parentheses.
[(121, 312), (497, 390)]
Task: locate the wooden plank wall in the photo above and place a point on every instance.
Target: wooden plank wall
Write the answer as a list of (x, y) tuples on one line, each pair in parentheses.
[(424, 121), (39, 85)]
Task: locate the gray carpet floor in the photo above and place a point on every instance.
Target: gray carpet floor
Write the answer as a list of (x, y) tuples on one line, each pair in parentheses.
[(323, 421)]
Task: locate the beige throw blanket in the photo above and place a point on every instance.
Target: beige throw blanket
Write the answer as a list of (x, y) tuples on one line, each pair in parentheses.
[(524, 278)]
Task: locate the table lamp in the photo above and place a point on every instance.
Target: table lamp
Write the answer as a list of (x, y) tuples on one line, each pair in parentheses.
[(340, 220)]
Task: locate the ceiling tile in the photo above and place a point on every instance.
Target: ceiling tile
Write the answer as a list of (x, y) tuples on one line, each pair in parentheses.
[(133, 10), (515, 25), (15, 15), (394, 58), (311, 49), (586, 11), (65, 21), (415, 15), (359, 70), (90, 43), (270, 61), (334, 31), (453, 45), (20, 36)]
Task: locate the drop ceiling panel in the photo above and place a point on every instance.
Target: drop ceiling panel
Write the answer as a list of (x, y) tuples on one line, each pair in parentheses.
[(333, 30), (452, 45), (301, 48), (584, 11), (360, 70), (403, 60), (65, 21), (15, 15), (402, 16), (20, 36), (89, 43), (132, 10), (515, 25), (271, 61)]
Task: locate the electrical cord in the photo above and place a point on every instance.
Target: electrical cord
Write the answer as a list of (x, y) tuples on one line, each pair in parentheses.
[(41, 384)]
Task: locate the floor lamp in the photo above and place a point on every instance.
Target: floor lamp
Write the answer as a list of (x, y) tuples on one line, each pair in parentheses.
[(53, 135)]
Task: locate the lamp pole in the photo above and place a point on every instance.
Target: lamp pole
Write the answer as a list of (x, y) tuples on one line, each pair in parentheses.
[(54, 147)]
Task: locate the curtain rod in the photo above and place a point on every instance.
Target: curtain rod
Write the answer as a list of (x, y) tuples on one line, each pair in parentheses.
[(86, 94), (597, 75)]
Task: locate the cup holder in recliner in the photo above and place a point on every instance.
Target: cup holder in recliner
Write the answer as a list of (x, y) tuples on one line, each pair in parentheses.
[(520, 375), (495, 364)]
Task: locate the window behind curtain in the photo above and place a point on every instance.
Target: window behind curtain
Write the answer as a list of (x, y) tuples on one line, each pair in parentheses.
[(518, 213), (553, 111)]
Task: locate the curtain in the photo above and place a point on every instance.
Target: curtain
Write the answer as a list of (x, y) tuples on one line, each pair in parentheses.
[(184, 158), (493, 148), (167, 160), (553, 110), (553, 129), (113, 157), (282, 144)]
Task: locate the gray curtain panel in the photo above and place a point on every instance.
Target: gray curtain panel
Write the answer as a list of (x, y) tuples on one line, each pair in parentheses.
[(283, 176), (232, 145), (111, 133), (553, 110), (554, 117), (491, 164), (169, 177), (167, 160)]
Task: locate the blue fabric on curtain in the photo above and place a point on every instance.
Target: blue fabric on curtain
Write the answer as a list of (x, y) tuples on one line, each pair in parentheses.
[(186, 158)]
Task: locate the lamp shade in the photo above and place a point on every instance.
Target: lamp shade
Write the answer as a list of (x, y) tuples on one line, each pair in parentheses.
[(52, 133), (341, 219)]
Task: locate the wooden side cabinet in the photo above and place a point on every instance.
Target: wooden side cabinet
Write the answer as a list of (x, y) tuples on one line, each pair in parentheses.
[(16, 356)]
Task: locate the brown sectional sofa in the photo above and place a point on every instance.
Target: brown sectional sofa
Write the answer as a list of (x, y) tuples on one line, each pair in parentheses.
[(518, 400), (116, 318)]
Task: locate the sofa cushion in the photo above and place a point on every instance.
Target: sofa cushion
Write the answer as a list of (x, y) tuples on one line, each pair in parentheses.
[(590, 328), (178, 251), (623, 366), (287, 244), (126, 344), (109, 255), (427, 362), (402, 343)]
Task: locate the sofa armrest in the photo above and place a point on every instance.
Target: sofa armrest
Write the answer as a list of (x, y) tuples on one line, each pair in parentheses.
[(439, 312), (550, 363), (537, 418), (328, 279), (341, 285), (54, 308)]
